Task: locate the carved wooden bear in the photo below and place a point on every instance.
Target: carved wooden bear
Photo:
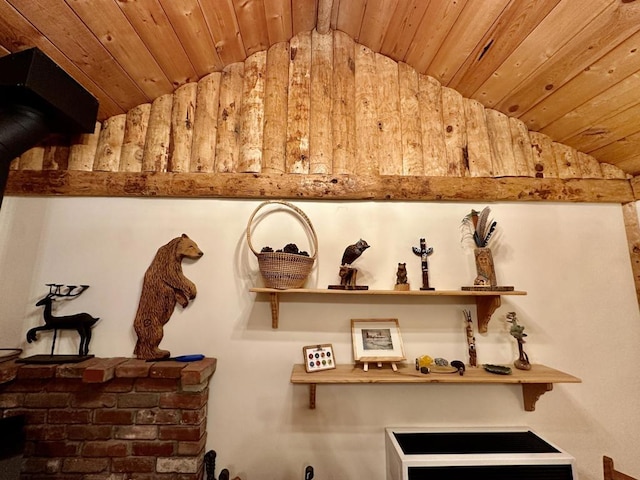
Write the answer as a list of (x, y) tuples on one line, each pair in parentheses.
[(164, 284)]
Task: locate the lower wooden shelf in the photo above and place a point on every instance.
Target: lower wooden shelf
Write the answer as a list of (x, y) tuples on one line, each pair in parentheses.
[(535, 382)]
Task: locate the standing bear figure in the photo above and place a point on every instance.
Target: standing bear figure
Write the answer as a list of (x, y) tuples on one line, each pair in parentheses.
[(164, 284)]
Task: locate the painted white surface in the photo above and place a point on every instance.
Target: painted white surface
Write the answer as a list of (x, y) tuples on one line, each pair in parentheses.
[(580, 314)]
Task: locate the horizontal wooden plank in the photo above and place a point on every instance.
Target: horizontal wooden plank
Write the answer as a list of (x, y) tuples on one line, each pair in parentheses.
[(312, 187)]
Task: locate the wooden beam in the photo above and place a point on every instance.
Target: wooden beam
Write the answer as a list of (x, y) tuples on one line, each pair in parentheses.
[(314, 187), (630, 215)]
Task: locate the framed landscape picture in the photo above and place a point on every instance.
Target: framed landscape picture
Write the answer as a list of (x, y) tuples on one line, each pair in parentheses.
[(377, 340)]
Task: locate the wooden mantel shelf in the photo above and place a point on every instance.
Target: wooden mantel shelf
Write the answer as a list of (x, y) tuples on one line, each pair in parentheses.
[(486, 301), (535, 382)]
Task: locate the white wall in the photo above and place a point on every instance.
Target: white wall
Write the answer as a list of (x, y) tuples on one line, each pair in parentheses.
[(580, 314)]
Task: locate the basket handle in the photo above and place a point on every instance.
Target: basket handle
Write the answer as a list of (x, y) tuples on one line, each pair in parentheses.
[(314, 237)]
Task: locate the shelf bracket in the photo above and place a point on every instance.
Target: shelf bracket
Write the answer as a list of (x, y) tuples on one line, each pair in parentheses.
[(485, 307), (312, 396), (531, 392), (275, 309)]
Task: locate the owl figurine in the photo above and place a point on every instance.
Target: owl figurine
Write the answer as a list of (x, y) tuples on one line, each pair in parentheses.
[(352, 252)]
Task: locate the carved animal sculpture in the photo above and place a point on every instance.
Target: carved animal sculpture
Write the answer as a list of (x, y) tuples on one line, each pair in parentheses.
[(164, 284), (82, 322), (352, 252), (401, 274)]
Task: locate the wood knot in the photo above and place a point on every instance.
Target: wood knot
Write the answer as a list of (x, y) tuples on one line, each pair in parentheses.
[(449, 129)]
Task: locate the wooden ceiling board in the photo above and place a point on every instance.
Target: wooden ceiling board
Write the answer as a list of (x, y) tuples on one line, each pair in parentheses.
[(350, 14), (191, 26), (469, 40), (539, 47), (626, 147), (611, 27), (436, 24), (252, 21), (375, 23), (515, 21), (114, 31), (304, 14), (66, 41), (279, 21), (402, 28), (613, 68), (223, 26), (607, 130), (152, 24), (594, 114)]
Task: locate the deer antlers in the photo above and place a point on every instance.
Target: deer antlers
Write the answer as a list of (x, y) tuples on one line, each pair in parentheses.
[(55, 290)]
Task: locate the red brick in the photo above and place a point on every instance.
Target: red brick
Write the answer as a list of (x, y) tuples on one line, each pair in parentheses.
[(156, 385), (102, 370), (133, 368), (8, 371), (113, 417), (46, 400), (69, 416), (66, 385), (41, 431), (93, 399), (177, 465), (118, 385), (138, 400), (157, 416), (89, 432), (33, 417), (170, 432), (136, 432), (11, 400), (153, 449), (56, 449), (25, 385), (191, 401), (36, 371), (74, 370), (197, 372), (193, 417), (41, 465), (85, 465), (168, 369), (105, 449), (192, 448), (133, 464)]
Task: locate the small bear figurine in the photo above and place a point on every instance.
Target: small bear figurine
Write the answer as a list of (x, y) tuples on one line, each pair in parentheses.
[(401, 277)]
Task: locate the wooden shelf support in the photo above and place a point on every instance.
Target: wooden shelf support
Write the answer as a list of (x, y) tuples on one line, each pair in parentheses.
[(312, 396), (275, 309), (485, 307), (531, 392)]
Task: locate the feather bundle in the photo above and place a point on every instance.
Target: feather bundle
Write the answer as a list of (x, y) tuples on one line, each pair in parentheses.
[(481, 226)]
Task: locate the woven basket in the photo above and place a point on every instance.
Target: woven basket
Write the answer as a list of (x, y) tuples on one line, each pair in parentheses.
[(279, 269)]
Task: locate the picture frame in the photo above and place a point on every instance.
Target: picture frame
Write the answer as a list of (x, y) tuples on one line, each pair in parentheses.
[(377, 340), (318, 357)]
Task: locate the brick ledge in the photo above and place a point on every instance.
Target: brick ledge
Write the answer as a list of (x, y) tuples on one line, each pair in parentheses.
[(101, 370)]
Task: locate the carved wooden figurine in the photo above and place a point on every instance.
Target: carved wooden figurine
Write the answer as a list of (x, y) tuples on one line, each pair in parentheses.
[(348, 274), (402, 282), (164, 284), (423, 252), (517, 332)]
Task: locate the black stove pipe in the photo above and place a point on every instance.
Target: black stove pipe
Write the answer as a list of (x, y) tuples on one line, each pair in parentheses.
[(37, 98), (21, 128)]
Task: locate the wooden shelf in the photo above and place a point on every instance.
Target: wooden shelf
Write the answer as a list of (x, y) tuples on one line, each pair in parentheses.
[(535, 382), (486, 301)]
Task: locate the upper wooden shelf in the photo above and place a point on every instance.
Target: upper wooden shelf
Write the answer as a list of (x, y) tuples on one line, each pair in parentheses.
[(535, 382), (486, 301)]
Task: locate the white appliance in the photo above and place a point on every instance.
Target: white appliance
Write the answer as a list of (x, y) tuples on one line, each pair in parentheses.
[(505, 453)]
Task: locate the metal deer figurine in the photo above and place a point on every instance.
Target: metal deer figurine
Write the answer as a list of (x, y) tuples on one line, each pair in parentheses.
[(82, 322)]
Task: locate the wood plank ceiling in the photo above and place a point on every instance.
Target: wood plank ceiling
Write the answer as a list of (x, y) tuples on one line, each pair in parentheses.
[(567, 68)]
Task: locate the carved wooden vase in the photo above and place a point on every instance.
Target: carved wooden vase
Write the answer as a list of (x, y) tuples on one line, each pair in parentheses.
[(486, 274)]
